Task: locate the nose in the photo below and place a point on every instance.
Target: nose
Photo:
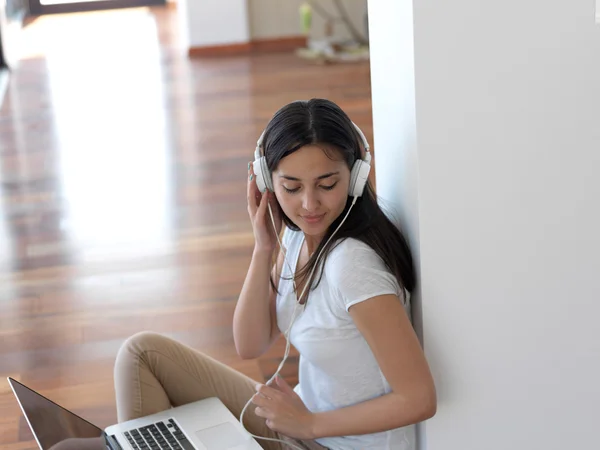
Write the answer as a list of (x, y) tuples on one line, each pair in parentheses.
[(310, 201)]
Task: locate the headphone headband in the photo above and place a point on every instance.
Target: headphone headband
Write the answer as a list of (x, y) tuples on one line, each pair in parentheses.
[(359, 174), (365, 143)]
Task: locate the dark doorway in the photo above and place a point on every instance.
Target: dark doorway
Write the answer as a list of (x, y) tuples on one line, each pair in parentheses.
[(38, 7)]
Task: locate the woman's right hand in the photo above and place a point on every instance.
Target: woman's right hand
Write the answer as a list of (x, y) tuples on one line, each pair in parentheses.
[(264, 235)]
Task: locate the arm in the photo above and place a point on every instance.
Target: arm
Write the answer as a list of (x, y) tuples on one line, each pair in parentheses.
[(385, 325), (255, 319)]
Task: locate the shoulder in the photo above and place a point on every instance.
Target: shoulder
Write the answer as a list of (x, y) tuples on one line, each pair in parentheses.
[(356, 272), (351, 253)]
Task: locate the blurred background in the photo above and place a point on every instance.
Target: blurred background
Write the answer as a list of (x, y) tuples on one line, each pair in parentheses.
[(126, 127)]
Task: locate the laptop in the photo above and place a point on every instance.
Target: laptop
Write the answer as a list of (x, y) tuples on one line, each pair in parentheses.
[(202, 425)]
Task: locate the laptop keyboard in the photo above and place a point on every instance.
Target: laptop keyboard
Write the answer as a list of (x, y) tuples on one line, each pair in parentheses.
[(159, 436)]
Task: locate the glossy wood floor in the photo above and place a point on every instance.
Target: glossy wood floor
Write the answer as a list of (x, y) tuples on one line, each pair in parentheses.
[(123, 171)]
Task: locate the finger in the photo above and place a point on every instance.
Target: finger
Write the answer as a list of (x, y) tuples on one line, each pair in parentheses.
[(260, 400), (262, 206), (284, 386), (252, 191), (263, 412), (268, 392), (270, 424), (261, 390)]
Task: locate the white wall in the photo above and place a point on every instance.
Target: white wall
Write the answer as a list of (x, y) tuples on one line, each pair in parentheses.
[(277, 18), (213, 22), (508, 186), (394, 128), (274, 18)]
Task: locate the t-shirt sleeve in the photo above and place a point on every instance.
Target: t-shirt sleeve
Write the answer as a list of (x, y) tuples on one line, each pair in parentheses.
[(356, 273), (286, 236)]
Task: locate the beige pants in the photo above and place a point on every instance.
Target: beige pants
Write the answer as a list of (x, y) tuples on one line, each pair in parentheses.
[(153, 373)]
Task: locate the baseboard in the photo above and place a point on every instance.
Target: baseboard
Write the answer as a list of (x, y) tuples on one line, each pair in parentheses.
[(272, 45), (220, 50), (282, 44)]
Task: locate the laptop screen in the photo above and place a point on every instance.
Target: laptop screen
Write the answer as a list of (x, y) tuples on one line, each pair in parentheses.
[(54, 427)]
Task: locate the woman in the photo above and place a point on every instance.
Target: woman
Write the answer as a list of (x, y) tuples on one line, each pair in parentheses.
[(363, 378)]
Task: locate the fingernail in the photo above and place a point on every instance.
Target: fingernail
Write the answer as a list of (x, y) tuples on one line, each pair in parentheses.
[(249, 166), (251, 177)]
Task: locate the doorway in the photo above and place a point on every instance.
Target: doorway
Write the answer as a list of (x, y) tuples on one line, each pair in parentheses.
[(39, 7)]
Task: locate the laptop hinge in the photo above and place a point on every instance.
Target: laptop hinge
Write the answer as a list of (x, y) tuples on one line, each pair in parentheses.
[(112, 443)]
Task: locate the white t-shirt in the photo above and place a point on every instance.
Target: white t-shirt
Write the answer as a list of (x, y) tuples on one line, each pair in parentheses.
[(337, 367)]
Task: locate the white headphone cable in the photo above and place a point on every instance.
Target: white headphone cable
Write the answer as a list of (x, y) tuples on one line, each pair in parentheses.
[(293, 319)]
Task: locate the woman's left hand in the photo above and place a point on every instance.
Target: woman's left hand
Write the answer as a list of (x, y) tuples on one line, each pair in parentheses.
[(284, 410)]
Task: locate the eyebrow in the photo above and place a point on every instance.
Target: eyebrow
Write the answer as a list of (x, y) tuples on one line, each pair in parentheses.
[(320, 177)]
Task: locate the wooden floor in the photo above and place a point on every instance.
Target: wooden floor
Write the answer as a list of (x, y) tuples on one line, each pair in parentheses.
[(123, 171)]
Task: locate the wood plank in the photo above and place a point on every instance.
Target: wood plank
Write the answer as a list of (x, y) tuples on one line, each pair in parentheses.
[(123, 199)]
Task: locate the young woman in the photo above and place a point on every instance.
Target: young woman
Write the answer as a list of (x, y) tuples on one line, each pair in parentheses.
[(343, 279)]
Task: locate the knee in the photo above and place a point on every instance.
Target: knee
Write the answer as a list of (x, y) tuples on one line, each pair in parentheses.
[(141, 342), (133, 353), (134, 349)]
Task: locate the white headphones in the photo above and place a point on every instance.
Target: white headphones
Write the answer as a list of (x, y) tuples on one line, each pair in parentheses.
[(358, 176)]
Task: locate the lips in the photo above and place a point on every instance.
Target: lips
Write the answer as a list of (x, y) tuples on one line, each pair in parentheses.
[(313, 219)]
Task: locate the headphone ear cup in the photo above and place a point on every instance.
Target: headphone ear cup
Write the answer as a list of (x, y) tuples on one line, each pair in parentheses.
[(358, 178), (263, 176), (257, 169), (268, 179)]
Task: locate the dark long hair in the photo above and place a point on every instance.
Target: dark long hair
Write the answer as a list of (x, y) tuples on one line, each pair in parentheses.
[(320, 121)]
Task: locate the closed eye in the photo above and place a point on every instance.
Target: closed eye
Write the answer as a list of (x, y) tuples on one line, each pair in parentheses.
[(328, 188), (293, 191)]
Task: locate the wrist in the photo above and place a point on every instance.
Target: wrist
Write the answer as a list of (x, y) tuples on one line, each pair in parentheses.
[(263, 252), (315, 426)]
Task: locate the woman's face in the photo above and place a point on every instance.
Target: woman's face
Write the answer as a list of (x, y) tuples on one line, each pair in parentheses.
[(312, 188)]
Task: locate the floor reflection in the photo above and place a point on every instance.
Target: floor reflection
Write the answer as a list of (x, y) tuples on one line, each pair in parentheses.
[(111, 164), (113, 157)]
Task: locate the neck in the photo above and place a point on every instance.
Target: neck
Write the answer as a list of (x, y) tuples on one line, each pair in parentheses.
[(312, 242)]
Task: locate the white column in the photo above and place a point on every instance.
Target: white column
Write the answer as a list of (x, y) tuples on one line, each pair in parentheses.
[(500, 156), (214, 22), (394, 128)]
